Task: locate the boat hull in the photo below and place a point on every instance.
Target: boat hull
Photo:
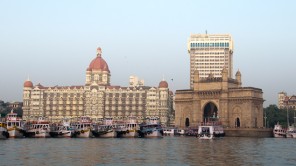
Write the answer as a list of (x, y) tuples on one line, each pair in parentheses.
[(206, 136), (4, 135), (37, 134), (83, 134), (61, 134), (154, 134), (279, 135), (105, 134), (15, 133), (130, 134)]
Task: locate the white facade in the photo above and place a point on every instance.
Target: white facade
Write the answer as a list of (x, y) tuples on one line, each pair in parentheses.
[(209, 53), (97, 98), (285, 101), (134, 81)]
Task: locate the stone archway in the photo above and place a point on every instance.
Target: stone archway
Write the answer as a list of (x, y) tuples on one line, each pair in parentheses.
[(210, 112), (236, 117)]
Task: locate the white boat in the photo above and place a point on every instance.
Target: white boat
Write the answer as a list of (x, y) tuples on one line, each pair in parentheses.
[(38, 129), (83, 127), (15, 125), (105, 130), (3, 131), (278, 131), (151, 128), (179, 132), (132, 128), (210, 130), (169, 131), (62, 130), (291, 132)]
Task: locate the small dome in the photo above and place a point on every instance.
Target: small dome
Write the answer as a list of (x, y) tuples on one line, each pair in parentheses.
[(28, 84), (163, 84), (238, 73)]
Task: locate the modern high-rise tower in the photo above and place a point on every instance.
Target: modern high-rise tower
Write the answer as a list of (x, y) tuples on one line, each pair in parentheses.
[(209, 54)]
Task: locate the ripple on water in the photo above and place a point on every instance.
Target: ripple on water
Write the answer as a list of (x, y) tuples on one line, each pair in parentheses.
[(165, 151)]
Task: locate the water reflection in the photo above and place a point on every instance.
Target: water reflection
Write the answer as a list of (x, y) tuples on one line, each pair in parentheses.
[(166, 151)]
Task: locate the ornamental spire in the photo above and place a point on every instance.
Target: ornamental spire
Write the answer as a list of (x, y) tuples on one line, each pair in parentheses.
[(99, 52)]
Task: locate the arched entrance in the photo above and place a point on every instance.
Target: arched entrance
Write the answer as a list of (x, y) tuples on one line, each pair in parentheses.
[(187, 123), (210, 112), (237, 122)]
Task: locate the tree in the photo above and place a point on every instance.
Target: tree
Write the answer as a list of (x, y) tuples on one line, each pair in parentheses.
[(275, 115)]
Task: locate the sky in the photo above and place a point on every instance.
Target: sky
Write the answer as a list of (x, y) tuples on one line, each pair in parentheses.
[(53, 42)]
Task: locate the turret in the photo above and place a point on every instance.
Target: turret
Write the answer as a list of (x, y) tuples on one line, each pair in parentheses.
[(224, 78), (195, 79), (238, 78)]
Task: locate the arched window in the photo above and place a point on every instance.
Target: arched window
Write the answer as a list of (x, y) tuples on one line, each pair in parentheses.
[(187, 123), (237, 122)]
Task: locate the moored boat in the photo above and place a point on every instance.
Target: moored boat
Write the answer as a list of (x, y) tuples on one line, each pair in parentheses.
[(210, 130), (83, 127), (291, 131), (179, 132), (278, 131), (15, 125), (168, 131), (38, 129), (62, 130), (105, 130), (151, 128), (132, 128)]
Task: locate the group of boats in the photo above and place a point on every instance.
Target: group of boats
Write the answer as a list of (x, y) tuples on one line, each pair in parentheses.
[(83, 127), (280, 132), (13, 126)]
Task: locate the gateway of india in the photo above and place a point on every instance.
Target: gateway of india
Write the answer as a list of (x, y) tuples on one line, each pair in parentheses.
[(213, 93), (98, 99)]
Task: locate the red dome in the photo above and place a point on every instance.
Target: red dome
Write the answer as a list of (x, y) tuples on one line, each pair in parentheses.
[(99, 64), (163, 84), (28, 84)]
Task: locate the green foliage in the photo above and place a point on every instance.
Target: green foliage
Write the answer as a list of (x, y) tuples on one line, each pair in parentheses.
[(274, 115)]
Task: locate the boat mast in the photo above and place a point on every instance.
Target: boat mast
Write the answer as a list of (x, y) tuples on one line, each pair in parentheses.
[(294, 118), (287, 116)]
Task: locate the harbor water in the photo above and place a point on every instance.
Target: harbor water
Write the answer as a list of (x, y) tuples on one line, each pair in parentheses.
[(140, 151)]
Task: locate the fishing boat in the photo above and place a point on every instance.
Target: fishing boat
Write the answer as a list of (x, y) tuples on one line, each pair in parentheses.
[(39, 128), (62, 130), (105, 130), (15, 125), (132, 128), (210, 130), (278, 131), (82, 127), (151, 128)]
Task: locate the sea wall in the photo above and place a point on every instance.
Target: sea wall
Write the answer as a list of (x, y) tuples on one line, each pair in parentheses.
[(248, 132)]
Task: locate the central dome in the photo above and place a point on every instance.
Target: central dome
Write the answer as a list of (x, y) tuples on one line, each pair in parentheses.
[(163, 84), (98, 63)]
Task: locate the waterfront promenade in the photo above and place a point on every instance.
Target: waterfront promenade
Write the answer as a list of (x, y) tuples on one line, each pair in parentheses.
[(248, 132)]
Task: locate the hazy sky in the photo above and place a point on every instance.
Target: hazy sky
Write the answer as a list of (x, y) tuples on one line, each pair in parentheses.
[(53, 42)]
